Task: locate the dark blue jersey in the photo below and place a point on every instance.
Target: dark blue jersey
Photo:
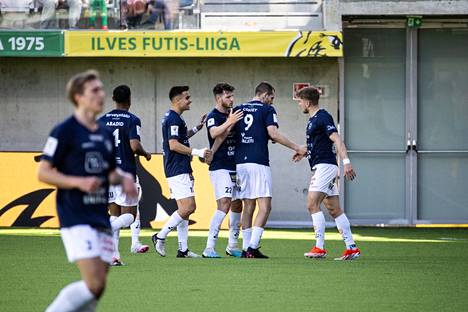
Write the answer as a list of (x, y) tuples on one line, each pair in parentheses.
[(224, 156), (124, 126), (252, 134), (174, 127), (319, 146), (75, 150)]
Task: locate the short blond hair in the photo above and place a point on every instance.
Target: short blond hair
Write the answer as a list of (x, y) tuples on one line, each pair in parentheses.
[(76, 84)]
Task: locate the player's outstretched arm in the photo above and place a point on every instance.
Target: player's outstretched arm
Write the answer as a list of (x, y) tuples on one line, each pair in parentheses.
[(177, 147), (138, 149), (343, 154), (48, 174), (198, 127), (278, 137)]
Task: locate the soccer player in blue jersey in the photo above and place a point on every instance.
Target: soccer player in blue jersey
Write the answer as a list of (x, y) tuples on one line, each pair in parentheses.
[(177, 157), (79, 159), (125, 128), (321, 136), (258, 125), (219, 123)]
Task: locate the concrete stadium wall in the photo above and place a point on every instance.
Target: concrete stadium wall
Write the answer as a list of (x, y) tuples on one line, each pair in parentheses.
[(32, 100)]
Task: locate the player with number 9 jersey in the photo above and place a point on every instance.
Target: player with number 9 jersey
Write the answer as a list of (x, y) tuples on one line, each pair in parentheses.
[(258, 126)]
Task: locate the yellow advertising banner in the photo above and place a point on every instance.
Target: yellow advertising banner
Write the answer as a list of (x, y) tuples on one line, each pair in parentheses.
[(24, 201), (204, 44)]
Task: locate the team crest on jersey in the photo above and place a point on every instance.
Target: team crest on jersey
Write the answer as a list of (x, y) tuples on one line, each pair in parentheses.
[(94, 163), (211, 122), (174, 130)]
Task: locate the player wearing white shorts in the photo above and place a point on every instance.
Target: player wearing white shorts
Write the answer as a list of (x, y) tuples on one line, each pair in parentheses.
[(79, 159), (219, 123), (321, 135), (177, 157), (259, 124), (125, 128)]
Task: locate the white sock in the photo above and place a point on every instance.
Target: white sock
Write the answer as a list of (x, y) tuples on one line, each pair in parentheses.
[(122, 221), (343, 226), (319, 228), (215, 225), (234, 228), (119, 222), (115, 238), (256, 237), (72, 297), (246, 236), (171, 224), (135, 227), (182, 234)]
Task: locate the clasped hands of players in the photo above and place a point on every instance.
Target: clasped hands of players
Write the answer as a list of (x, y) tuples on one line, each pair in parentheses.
[(300, 153), (348, 170)]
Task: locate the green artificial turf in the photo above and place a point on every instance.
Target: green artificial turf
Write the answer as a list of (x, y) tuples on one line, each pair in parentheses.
[(401, 269)]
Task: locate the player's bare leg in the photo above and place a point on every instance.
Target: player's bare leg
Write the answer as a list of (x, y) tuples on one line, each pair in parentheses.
[(332, 203)]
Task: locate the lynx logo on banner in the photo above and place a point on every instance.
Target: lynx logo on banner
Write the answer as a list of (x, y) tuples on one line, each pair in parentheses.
[(26, 202)]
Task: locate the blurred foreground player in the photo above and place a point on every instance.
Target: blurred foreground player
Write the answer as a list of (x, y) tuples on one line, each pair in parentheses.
[(79, 159)]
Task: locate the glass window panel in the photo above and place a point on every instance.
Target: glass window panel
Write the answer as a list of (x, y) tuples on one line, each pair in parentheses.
[(442, 191), (379, 190), (375, 88), (443, 91), (375, 120)]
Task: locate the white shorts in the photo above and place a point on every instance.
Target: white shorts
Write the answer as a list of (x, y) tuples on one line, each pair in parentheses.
[(116, 195), (84, 242), (224, 183), (181, 186), (324, 179), (253, 181)]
